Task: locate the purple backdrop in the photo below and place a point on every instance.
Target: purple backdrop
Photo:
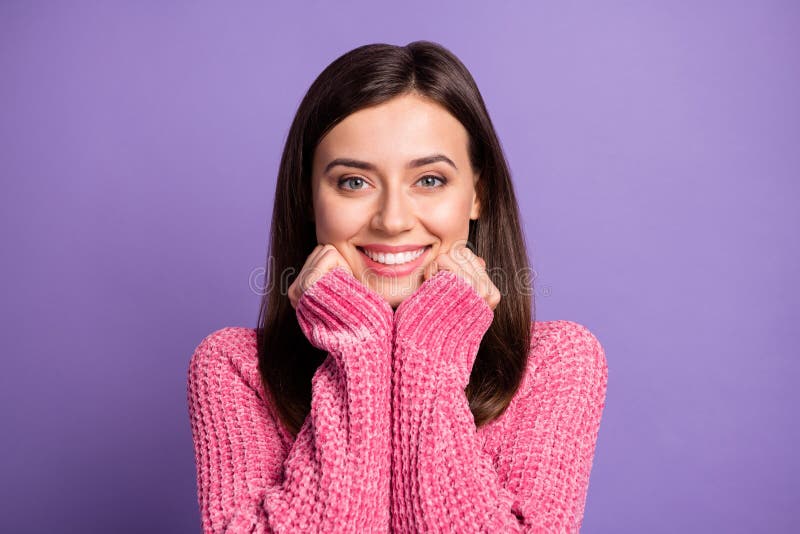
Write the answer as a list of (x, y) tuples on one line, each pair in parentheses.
[(655, 152)]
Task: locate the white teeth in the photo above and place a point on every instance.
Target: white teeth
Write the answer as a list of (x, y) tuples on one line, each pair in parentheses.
[(394, 259)]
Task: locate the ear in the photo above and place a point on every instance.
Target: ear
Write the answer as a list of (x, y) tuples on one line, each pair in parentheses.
[(475, 212)]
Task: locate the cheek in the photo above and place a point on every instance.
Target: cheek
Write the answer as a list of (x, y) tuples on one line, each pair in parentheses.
[(449, 220), (335, 222)]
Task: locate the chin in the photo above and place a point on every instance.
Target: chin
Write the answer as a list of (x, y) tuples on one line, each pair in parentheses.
[(394, 291)]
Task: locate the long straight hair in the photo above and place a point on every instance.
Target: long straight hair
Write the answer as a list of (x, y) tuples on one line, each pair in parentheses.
[(367, 76)]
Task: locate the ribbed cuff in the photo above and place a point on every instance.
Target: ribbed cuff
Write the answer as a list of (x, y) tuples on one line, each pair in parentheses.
[(338, 310), (446, 317)]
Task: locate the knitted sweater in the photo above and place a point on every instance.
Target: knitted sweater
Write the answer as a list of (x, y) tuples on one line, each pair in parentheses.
[(390, 443)]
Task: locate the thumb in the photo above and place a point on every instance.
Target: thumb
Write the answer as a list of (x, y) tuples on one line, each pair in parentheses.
[(430, 270)]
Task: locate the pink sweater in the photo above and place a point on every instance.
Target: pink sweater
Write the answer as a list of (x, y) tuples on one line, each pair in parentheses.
[(390, 443)]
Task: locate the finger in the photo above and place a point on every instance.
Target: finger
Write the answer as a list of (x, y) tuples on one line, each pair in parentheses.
[(292, 294), (313, 255), (463, 255), (310, 260), (331, 258), (315, 268), (472, 268), (459, 251), (430, 270), (475, 261), (328, 259), (464, 269), (298, 285), (445, 262), (487, 284)]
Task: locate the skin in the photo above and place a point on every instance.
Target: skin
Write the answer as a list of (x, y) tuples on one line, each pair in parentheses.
[(394, 204)]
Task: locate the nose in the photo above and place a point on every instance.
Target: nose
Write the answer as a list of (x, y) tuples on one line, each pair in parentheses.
[(394, 212)]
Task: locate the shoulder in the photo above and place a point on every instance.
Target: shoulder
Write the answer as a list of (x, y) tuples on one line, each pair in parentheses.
[(565, 357), (229, 338), (565, 342), (229, 350)]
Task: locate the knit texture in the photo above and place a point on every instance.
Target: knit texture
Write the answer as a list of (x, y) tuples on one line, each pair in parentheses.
[(390, 443)]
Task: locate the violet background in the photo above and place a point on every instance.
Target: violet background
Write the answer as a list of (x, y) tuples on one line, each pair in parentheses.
[(655, 154)]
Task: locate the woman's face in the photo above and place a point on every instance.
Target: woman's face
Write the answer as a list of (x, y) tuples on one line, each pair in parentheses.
[(391, 192)]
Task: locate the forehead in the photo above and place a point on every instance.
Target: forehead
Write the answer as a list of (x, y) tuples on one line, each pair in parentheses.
[(394, 132)]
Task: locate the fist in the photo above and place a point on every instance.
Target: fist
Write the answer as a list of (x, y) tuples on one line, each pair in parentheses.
[(323, 258), (472, 268)]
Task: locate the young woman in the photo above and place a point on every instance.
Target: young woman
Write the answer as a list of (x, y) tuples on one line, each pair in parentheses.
[(397, 380)]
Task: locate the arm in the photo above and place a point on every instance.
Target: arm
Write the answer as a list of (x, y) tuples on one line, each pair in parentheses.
[(336, 474), (444, 480)]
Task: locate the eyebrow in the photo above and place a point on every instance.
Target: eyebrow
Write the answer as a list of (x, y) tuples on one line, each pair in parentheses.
[(419, 162)]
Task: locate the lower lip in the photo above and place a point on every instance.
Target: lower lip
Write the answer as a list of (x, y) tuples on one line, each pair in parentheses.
[(395, 270)]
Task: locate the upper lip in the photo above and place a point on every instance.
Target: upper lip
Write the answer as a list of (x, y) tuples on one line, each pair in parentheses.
[(391, 249)]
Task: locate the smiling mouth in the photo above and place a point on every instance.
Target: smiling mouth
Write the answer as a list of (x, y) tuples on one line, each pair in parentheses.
[(389, 259)]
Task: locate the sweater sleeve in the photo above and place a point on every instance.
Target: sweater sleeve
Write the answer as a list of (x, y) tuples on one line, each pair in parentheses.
[(335, 475), (443, 480)]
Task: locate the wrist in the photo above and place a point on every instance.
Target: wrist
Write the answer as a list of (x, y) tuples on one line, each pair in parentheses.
[(338, 309), (444, 318)]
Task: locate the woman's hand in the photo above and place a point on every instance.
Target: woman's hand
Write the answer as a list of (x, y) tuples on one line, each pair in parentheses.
[(323, 258), (472, 268)]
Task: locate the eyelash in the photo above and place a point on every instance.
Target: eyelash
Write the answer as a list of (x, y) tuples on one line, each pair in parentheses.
[(348, 178)]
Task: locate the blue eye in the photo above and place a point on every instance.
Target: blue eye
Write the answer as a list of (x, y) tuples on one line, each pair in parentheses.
[(357, 183), (351, 179), (435, 178)]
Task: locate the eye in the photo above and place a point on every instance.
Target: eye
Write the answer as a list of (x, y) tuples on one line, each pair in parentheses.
[(353, 180), (428, 179)]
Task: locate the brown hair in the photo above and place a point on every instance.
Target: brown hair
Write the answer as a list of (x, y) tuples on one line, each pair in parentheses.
[(367, 76)]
